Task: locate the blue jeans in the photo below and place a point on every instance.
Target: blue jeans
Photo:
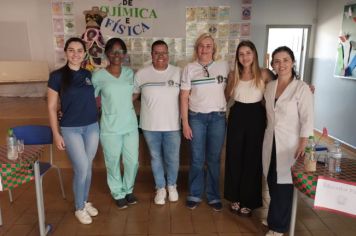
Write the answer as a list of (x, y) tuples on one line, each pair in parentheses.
[(208, 138), (81, 145), (164, 149)]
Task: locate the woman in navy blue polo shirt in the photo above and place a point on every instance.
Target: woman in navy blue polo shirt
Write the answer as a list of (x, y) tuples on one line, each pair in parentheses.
[(77, 132)]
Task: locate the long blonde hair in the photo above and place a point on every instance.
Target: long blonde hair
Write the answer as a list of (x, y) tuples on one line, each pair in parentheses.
[(198, 41), (238, 69)]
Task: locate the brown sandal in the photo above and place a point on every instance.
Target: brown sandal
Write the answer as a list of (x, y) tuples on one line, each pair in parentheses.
[(235, 207)]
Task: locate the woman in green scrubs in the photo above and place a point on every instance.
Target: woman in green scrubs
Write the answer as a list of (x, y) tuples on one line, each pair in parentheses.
[(118, 124)]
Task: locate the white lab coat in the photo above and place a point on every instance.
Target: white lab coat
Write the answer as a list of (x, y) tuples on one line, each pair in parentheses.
[(290, 118)]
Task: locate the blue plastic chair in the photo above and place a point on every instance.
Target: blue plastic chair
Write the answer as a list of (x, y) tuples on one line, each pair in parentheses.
[(39, 135)]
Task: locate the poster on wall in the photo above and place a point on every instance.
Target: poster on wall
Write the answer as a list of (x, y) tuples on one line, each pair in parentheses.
[(246, 13), (346, 50), (245, 29), (63, 27), (57, 8), (208, 19)]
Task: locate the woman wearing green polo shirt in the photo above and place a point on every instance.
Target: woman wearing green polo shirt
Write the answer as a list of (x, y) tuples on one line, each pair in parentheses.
[(118, 124)]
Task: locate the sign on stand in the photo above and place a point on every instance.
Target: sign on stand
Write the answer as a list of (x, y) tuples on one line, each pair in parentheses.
[(336, 196)]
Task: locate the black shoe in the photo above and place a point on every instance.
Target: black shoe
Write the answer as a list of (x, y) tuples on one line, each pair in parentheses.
[(131, 199), (191, 204), (217, 206), (121, 203)]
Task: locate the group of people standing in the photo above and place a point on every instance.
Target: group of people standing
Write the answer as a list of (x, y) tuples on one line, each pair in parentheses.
[(267, 127)]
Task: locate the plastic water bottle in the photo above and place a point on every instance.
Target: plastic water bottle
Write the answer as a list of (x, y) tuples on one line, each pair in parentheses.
[(311, 145), (310, 158), (11, 145), (336, 154)]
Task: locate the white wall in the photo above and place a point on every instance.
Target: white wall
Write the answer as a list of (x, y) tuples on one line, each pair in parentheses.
[(34, 17), (334, 97), (36, 14)]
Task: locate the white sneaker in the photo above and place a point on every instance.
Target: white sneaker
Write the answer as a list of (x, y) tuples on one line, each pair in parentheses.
[(172, 193), (160, 198), (273, 233), (83, 216), (92, 211)]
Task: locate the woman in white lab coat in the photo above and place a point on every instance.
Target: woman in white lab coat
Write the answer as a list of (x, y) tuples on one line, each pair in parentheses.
[(289, 106)]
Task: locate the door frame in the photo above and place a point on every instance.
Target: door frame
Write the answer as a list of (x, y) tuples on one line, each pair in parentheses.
[(305, 65)]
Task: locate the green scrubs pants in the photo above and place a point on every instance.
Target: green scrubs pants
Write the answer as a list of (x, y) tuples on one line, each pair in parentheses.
[(115, 146)]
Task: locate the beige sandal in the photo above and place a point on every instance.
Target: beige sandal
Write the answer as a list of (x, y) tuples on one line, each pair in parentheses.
[(244, 211)]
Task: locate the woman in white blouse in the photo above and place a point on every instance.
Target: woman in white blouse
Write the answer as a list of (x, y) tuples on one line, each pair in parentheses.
[(289, 106), (245, 131)]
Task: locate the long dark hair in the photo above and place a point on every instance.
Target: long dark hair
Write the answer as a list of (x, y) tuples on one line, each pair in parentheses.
[(65, 70), (290, 53)]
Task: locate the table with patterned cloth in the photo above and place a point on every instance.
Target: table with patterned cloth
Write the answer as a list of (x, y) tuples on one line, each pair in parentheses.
[(306, 182), (14, 173)]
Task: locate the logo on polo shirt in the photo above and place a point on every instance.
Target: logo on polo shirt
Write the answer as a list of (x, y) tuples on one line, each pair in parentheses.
[(88, 81), (170, 83), (220, 79)]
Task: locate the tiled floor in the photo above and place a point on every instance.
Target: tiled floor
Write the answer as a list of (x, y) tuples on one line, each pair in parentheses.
[(145, 218)]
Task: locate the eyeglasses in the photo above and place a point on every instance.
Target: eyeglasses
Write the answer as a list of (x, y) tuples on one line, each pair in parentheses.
[(114, 52), (205, 71)]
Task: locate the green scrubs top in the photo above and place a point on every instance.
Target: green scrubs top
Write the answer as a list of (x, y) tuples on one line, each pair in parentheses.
[(118, 113)]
